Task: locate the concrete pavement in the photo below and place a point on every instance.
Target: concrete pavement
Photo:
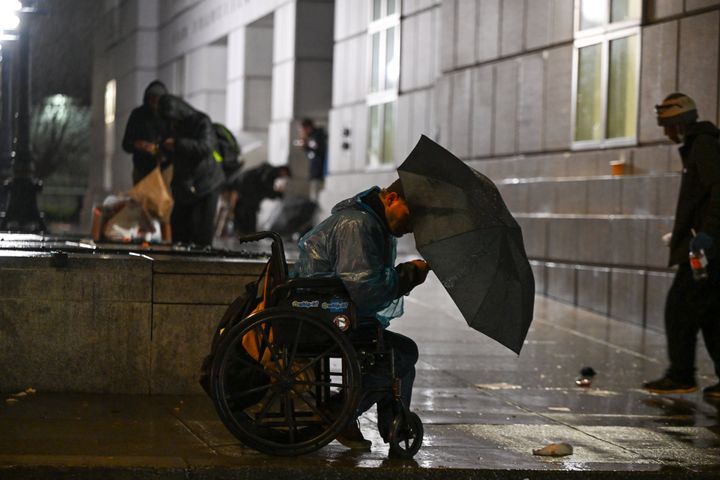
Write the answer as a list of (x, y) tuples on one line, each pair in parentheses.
[(484, 410)]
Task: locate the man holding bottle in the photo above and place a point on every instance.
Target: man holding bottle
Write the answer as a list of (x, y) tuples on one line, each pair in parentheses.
[(693, 302)]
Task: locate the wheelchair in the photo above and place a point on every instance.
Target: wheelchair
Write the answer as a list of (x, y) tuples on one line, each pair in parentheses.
[(283, 373)]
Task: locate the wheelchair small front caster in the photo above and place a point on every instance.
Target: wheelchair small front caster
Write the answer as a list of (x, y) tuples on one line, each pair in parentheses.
[(406, 435)]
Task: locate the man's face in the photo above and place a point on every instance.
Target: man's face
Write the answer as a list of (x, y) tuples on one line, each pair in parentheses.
[(674, 133), (397, 214), (153, 103)]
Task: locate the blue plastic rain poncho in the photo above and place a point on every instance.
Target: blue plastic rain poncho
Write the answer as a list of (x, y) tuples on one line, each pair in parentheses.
[(355, 245)]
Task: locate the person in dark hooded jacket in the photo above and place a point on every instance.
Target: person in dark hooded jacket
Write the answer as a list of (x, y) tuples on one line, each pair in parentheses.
[(144, 130), (693, 304), (197, 176)]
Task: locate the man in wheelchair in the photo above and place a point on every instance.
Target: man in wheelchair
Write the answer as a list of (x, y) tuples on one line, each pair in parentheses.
[(357, 243)]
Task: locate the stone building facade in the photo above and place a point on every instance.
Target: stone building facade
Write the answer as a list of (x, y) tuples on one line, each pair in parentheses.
[(254, 65), (546, 97), (501, 84)]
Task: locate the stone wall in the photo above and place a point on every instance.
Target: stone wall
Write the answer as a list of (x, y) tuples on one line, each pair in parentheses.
[(112, 323)]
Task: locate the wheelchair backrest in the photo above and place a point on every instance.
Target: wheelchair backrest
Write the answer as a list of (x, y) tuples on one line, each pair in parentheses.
[(321, 297), (328, 303)]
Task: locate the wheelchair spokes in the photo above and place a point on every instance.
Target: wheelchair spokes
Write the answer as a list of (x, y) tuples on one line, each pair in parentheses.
[(273, 376)]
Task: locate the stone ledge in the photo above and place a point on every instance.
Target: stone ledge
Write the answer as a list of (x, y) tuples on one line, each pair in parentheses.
[(112, 323)]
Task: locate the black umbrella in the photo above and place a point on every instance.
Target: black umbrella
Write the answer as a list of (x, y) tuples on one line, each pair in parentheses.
[(468, 237)]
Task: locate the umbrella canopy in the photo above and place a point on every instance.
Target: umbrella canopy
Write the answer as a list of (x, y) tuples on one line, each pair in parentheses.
[(471, 241)]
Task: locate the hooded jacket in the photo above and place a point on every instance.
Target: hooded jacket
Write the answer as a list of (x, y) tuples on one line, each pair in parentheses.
[(698, 204), (355, 245), (256, 184), (143, 124), (196, 172)]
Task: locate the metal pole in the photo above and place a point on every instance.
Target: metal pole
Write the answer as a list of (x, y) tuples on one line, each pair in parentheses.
[(6, 121), (22, 213)]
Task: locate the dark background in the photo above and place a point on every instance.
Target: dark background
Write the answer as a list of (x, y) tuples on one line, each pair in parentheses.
[(61, 48)]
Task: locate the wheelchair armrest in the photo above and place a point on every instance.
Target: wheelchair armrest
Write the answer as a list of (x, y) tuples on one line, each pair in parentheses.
[(323, 283)]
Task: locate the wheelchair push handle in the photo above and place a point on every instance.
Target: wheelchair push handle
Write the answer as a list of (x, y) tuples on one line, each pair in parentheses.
[(254, 237), (277, 249)]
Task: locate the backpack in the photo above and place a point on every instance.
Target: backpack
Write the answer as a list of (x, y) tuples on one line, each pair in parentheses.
[(227, 150)]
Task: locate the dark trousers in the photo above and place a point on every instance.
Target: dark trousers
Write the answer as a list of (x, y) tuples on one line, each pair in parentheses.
[(246, 216), (692, 306), (195, 222), (406, 356)]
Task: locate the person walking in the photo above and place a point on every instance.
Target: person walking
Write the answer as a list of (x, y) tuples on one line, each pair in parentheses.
[(693, 302), (357, 243), (144, 131), (313, 141), (197, 176)]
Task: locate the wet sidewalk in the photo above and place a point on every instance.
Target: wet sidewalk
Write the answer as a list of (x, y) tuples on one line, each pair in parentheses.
[(484, 409)]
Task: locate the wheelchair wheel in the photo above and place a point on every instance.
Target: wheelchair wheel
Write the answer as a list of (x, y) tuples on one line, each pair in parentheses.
[(273, 375), (406, 435)]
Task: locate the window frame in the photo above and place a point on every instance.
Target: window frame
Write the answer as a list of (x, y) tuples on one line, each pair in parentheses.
[(383, 96), (603, 35), (606, 27)]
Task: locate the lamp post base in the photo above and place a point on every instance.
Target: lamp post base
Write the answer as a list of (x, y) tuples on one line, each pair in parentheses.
[(22, 213)]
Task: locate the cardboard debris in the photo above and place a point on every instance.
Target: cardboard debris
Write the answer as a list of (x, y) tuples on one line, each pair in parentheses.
[(554, 450)]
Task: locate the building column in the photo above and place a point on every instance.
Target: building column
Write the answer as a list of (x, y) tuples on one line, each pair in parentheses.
[(206, 80), (302, 79), (250, 68), (126, 61)]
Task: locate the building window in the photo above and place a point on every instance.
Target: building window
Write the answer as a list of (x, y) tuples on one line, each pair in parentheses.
[(109, 150), (110, 94), (606, 66), (384, 62)]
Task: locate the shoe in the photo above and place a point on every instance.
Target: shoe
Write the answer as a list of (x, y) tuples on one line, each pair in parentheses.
[(353, 438), (668, 385), (712, 391)]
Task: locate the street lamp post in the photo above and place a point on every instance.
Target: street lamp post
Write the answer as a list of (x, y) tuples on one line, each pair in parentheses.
[(6, 121), (22, 213)]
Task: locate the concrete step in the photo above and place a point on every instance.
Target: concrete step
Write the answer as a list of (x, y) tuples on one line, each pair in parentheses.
[(652, 195), (611, 240), (647, 159), (633, 295)]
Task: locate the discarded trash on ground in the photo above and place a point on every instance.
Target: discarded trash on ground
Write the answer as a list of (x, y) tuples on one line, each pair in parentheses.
[(13, 398), (554, 450), (559, 409), (497, 386), (583, 382), (585, 378)]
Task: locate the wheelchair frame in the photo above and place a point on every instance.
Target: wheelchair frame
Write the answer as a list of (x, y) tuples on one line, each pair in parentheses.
[(283, 374)]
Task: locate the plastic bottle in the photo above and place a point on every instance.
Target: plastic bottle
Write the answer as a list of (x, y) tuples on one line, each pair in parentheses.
[(698, 263)]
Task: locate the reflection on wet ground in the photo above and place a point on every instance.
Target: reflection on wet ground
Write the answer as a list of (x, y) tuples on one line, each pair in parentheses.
[(484, 408)]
